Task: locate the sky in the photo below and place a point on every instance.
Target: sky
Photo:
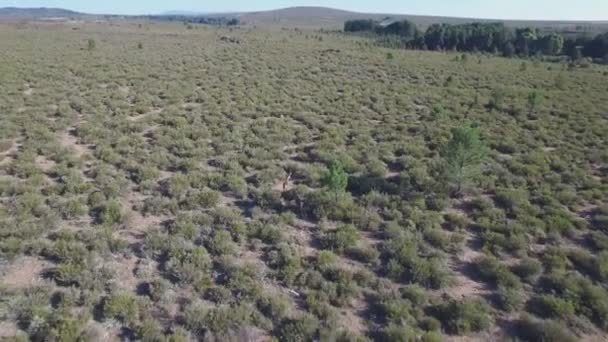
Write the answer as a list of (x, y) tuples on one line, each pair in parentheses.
[(494, 9)]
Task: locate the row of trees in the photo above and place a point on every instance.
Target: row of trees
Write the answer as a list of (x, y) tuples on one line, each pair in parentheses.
[(486, 37), (196, 19)]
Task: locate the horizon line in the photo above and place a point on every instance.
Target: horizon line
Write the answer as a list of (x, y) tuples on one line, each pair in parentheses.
[(196, 12)]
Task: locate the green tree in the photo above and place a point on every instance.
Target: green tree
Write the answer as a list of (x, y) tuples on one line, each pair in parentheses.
[(464, 154), (551, 44), (336, 179), (534, 101)]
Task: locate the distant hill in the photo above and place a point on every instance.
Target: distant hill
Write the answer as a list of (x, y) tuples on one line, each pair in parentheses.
[(184, 13), (306, 17), (329, 18), (42, 12)]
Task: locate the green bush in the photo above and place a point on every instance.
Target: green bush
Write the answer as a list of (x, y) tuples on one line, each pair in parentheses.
[(398, 333), (304, 329), (492, 270), (510, 299), (123, 307), (157, 289), (91, 44), (112, 213), (221, 243), (548, 306), (464, 317), (527, 269), (274, 307), (531, 330), (189, 265), (65, 327), (342, 238)]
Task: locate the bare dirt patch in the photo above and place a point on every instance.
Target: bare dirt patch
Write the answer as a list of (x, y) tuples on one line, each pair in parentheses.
[(69, 140), (145, 115), (461, 265), (8, 329), (44, 164), (281, 185), (125, 272), (103, 332), (23, 273), (137, 223)]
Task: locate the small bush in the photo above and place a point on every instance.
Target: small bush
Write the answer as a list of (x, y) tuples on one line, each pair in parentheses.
[(304, 329), (531, 330), (492, 270), (548, 306), (464, 317), (342, 238), (528, 269), (123, 307), (510, 299), (112, 213), (221, 243)]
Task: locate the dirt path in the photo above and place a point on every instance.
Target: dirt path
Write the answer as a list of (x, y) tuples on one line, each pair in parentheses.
[(461, 265), (69, 140)]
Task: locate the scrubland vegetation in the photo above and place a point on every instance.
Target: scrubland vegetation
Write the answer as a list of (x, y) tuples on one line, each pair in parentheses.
[(163, 182)]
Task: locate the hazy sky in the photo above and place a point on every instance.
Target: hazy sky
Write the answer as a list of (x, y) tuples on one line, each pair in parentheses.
[(498, 9)]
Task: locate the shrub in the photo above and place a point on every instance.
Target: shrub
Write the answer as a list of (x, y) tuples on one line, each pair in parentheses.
[(72, 208), (217, 323), (527, 269), (492, 270), (456, 221), (342, 238), (599, 218), (548, 306), (515, 202), (304, 329), (531, 330), (221, 243), (112, 213), (190, 265), (178, 185), (510, 299), (398, 333), (65, 327), (464, 317), (123, 307), (157, 289), (274, 307), (367, 254), (497, 99), (437, 238), (91, 44), (204, 199)]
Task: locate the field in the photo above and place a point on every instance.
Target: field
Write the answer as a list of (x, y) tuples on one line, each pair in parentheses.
[(170, 182)]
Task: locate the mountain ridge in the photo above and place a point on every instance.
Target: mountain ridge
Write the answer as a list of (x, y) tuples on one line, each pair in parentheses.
[(308, 17), (38, 12)]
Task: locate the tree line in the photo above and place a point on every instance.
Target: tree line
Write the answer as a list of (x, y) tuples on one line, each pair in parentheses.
[(195, 19), (486, 37)]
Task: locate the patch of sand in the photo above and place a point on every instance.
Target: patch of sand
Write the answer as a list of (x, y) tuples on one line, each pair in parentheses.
[(23, 273), (67, 139), (8, 329)]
